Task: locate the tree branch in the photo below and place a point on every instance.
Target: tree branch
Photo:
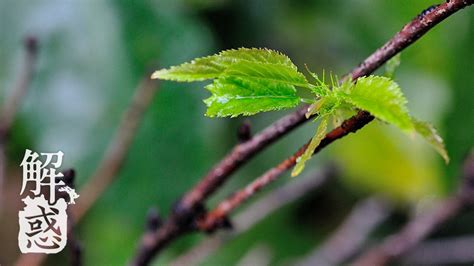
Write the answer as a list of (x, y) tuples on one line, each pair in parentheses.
[(117, 151), (350, 236), (424, 224), (74, 244), (257, 212), (12, 103), (217, 217), (112, 162), (190, 204)]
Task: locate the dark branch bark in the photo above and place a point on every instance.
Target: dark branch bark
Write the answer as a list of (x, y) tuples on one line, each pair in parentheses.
[(424, 224), (186, 209), (75, 246), (217, 217), (257, 212)]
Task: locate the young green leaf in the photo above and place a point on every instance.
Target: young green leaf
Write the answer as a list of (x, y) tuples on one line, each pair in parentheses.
[(381, 97), (324, 106), (234, 96), (270, 72), (314, 143), (429, 133), (213, 66), (321, 88)]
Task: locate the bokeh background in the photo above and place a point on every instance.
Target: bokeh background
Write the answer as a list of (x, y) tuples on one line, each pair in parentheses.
[(93, 53)]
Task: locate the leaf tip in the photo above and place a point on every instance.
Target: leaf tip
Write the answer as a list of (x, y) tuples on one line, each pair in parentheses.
[(156, 74), (298, 168)]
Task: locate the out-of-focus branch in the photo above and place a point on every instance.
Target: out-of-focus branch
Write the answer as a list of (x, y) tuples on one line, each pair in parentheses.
[(423, 224), (351, 234), (73, 243), (257, 212), (112, 162), (13, 102), (457, 250), (188, 207), (116, 153)]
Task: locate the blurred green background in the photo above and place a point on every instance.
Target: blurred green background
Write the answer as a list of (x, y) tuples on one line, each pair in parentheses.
[(93, 53)]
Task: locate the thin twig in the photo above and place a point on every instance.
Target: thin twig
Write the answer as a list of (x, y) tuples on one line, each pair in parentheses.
[(351, 235), (116, 153), (257, 212), (13, 102), (111, 163), (423, 224), (74, 244), (186, 209), (213, 220)]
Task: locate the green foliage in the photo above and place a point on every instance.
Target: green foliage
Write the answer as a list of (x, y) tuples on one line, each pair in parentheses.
[(429, 133), (214, 66), (233, 96), (318, 136), (249, 81), (381, 97)]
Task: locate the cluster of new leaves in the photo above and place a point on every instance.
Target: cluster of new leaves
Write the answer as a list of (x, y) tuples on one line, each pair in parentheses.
[(249, 81)]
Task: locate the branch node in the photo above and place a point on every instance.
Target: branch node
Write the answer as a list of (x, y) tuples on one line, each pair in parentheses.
[(154, 220), (186, 217), (31, 44), (244, 132), (69, 176)]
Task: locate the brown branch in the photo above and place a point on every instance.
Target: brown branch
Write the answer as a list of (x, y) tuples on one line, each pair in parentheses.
[(350, 236), (257, 212), (187, 208), (116, 154), (215, 218), (75, 246), (112, 162), (13, 103), (424, 224)]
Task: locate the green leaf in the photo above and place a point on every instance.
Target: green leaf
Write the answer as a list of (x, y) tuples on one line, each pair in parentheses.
[(234, 96), (381, 97), (321, 88), (213, 66), (270, 72), (429, 133), (301, 161), (324, 106)]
